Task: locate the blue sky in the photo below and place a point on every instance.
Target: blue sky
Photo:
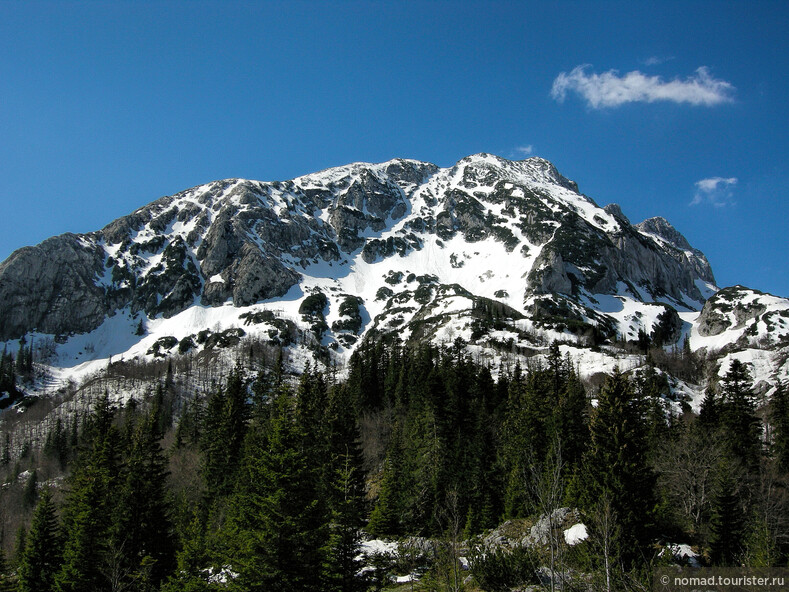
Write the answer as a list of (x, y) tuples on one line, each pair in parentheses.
[(677, 109)]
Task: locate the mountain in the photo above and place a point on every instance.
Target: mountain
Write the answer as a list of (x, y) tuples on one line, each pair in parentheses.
[(506, 255)]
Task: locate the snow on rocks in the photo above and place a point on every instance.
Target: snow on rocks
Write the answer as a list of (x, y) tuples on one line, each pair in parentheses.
[(576, 534)]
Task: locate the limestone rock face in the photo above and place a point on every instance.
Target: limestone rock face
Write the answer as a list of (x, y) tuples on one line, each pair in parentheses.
[(247, 241), (52, 288), (258, 277), (731, 308), (366, 204), (678, 247)]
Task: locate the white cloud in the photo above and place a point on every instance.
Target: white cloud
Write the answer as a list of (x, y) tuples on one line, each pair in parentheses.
[(716, 191), (524, 150), (657, 60), (609, 89)]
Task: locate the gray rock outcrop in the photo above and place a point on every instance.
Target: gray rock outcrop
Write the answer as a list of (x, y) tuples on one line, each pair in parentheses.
[(52, 288)]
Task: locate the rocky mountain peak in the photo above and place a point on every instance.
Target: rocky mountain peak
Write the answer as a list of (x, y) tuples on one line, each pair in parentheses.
[(245, 242), (660, 227), (487, 167)]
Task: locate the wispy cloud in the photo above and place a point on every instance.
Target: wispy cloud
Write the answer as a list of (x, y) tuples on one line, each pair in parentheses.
[(715, 191), (609, 89), (657, 60), (523, 151)]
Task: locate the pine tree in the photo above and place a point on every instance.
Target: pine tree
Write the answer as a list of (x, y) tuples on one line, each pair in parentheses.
[(616, 464), (741, 425), (387, 516), (343, 565), (345, 493), (277, 524), (30, 493), (192, 561), (87, 516), (727, 525), (141, 526), (528, 422), (223, 430), (710, 412), (571, 420), (7, 584), (21, 357), (40, 560), (779, 415), (312, 400), (20, 542)]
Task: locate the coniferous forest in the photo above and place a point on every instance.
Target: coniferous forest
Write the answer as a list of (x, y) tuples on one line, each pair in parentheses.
[(474, 477)]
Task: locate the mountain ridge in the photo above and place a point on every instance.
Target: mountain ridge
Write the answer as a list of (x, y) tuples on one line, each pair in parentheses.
[(402, 247)]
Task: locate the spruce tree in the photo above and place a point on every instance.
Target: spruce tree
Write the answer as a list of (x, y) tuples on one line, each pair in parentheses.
[(30, 492), (616, 465), (312, 400), (87, 515), (141, 523), (741, 426), (7, 584), (779, 416), (192, 561), (40, 560), (728, 521), (223, 430), (571, 420), (710, 412), (343, 566), (387, 516), (277, 523), (5, 456)]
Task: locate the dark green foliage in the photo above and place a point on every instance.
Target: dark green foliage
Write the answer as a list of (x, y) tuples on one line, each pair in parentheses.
[(277, 528), (222, 435), (5, 456), (30, 493), (292, 477), (142, 528), (8, 374), (389, 512), (192, 562), (779, 416), (314, 305), (739, 422), (312, 310), (501, 570), (7, 583), (57, 445), (728, 522), (24, 359), (667, 329), (349, 309), (40, 560), (545, 407), (87, 515), (616, 465)]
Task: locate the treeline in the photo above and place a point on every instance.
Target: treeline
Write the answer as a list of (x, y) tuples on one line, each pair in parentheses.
[(12, 368), (269, 485)]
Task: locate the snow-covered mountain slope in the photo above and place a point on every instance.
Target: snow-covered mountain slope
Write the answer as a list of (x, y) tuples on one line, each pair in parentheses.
[(748, 325), (507, 255)]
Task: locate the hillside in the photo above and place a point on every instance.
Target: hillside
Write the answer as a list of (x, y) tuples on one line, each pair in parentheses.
[(506, 255)]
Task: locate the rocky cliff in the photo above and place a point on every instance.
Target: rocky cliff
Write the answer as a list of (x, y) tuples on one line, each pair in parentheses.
[(246, 241)]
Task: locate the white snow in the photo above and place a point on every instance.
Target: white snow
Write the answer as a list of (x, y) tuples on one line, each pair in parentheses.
[(484, 268), (575, 534), (378, 546)]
